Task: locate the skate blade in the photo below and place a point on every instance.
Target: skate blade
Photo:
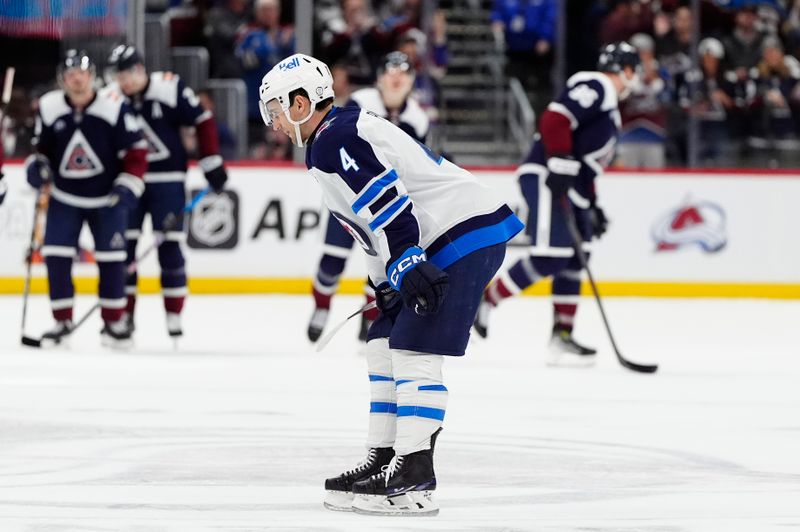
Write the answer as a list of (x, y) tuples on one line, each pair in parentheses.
[(414, 503), (339, 501), (560, 359), (118, 345)]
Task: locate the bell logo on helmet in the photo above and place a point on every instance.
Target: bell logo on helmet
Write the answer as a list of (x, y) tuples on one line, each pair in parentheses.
[(288, 65)]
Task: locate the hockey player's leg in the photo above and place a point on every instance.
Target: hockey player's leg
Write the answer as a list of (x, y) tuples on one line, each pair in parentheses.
[(564, 350), (382, 425), (508, 283), (406, 486), (173, 284), (132, 233), (108, 227), (60, 244), (338, 243)]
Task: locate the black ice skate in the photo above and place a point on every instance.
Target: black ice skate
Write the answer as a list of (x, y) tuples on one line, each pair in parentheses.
[(59, 334), (481, 323), (117, 335), (339, 490), (174, 327), (565, 351), (405, 487), (318, 320), (128, 318)]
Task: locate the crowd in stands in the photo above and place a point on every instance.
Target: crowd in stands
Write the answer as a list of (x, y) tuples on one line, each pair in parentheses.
[(744, 92)]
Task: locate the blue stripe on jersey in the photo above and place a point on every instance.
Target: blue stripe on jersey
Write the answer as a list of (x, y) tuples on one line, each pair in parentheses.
[(402, 381), (382, 408), (476, 239), (432, 388), (390, 211), (421, 411), (374, 378), (374, 190)]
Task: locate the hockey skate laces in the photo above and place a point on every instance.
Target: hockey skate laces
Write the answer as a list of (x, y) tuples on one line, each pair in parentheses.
[(394, 465), (362, 465)]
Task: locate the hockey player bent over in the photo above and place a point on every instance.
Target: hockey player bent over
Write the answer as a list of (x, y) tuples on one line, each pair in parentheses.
[(576, 142), (391, 99), (434, 237), (164, 105), (92, 146)]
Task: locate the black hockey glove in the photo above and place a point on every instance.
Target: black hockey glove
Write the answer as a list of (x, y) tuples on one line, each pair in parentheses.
[(562, 172), (214, 171), (37, 170), (386, 297), (598, 219), (422, 285)]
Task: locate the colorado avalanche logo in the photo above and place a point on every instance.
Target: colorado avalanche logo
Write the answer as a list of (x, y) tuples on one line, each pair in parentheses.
[(79, 160), (696, 223)]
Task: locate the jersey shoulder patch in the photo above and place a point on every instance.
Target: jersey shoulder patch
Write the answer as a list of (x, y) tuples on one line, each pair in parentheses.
[(52, 106), (107, 106), (163, 88), (584, 86)]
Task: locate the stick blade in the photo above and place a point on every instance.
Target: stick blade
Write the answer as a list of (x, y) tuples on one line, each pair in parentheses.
[(31, 342), (640, 368)]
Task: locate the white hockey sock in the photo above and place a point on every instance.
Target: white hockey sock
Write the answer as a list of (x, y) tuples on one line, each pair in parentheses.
[(421, 399), (383, 404)]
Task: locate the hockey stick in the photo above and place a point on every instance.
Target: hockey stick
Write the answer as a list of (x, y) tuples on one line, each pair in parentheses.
[(577, 244), (28, 262), (322, 342), (170, 222)]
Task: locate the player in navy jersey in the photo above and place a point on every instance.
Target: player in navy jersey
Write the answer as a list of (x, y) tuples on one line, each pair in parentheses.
[(91, 150), (434, 237), (391, 99), (576, 142), (164, 105)]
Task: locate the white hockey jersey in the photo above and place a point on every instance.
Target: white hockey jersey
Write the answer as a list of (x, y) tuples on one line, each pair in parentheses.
[(391, 192)]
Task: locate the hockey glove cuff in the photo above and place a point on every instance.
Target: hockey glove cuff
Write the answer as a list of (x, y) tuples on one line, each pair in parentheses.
[(37, 170), (562, 172), (422, 285), (127, 190), (214, 171)]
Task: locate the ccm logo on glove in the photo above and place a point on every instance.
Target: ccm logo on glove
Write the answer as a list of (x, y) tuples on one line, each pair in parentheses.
[(409, 259)]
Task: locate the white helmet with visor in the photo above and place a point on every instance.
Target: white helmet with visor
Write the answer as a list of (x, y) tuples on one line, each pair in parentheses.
[(298, 71)]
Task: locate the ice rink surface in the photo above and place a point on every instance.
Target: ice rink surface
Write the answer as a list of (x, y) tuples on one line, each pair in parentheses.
[(237, 429)]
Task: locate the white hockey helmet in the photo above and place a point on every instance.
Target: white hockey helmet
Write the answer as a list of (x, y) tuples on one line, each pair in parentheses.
[(298, 71)]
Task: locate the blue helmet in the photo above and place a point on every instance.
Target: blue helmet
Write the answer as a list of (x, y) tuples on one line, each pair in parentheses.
[(615, 57)]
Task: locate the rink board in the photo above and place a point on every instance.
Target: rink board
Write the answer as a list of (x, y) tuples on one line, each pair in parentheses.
[(672, 234)]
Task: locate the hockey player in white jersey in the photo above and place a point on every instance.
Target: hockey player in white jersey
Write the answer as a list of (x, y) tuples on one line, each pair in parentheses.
[(434, 237), (577, 135), (390, 98)]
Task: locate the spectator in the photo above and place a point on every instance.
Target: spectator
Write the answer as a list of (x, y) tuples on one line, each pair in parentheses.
[(261, 48), (626, 18), (224, 26), (673, 44), (341, 84), (359, 45), (526, 29), (777, 98), (743, 46), (642, 137), (263, 45), (714, 106), (426, 91)]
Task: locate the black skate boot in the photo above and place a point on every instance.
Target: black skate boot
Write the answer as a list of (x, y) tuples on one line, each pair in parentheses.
[(117, 335), (127, 317), (405, 487), (565, 351), (481, 323), (339, 490), (59, 334), (318, 320)]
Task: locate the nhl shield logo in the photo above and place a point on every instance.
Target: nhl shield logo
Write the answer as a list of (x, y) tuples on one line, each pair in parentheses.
[(214, 222), (696, 223)]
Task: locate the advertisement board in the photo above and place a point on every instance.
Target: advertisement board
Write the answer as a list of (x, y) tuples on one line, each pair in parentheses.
[(671, 234)]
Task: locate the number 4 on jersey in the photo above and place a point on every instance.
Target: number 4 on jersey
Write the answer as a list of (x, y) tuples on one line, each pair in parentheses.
[(347, 161)]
